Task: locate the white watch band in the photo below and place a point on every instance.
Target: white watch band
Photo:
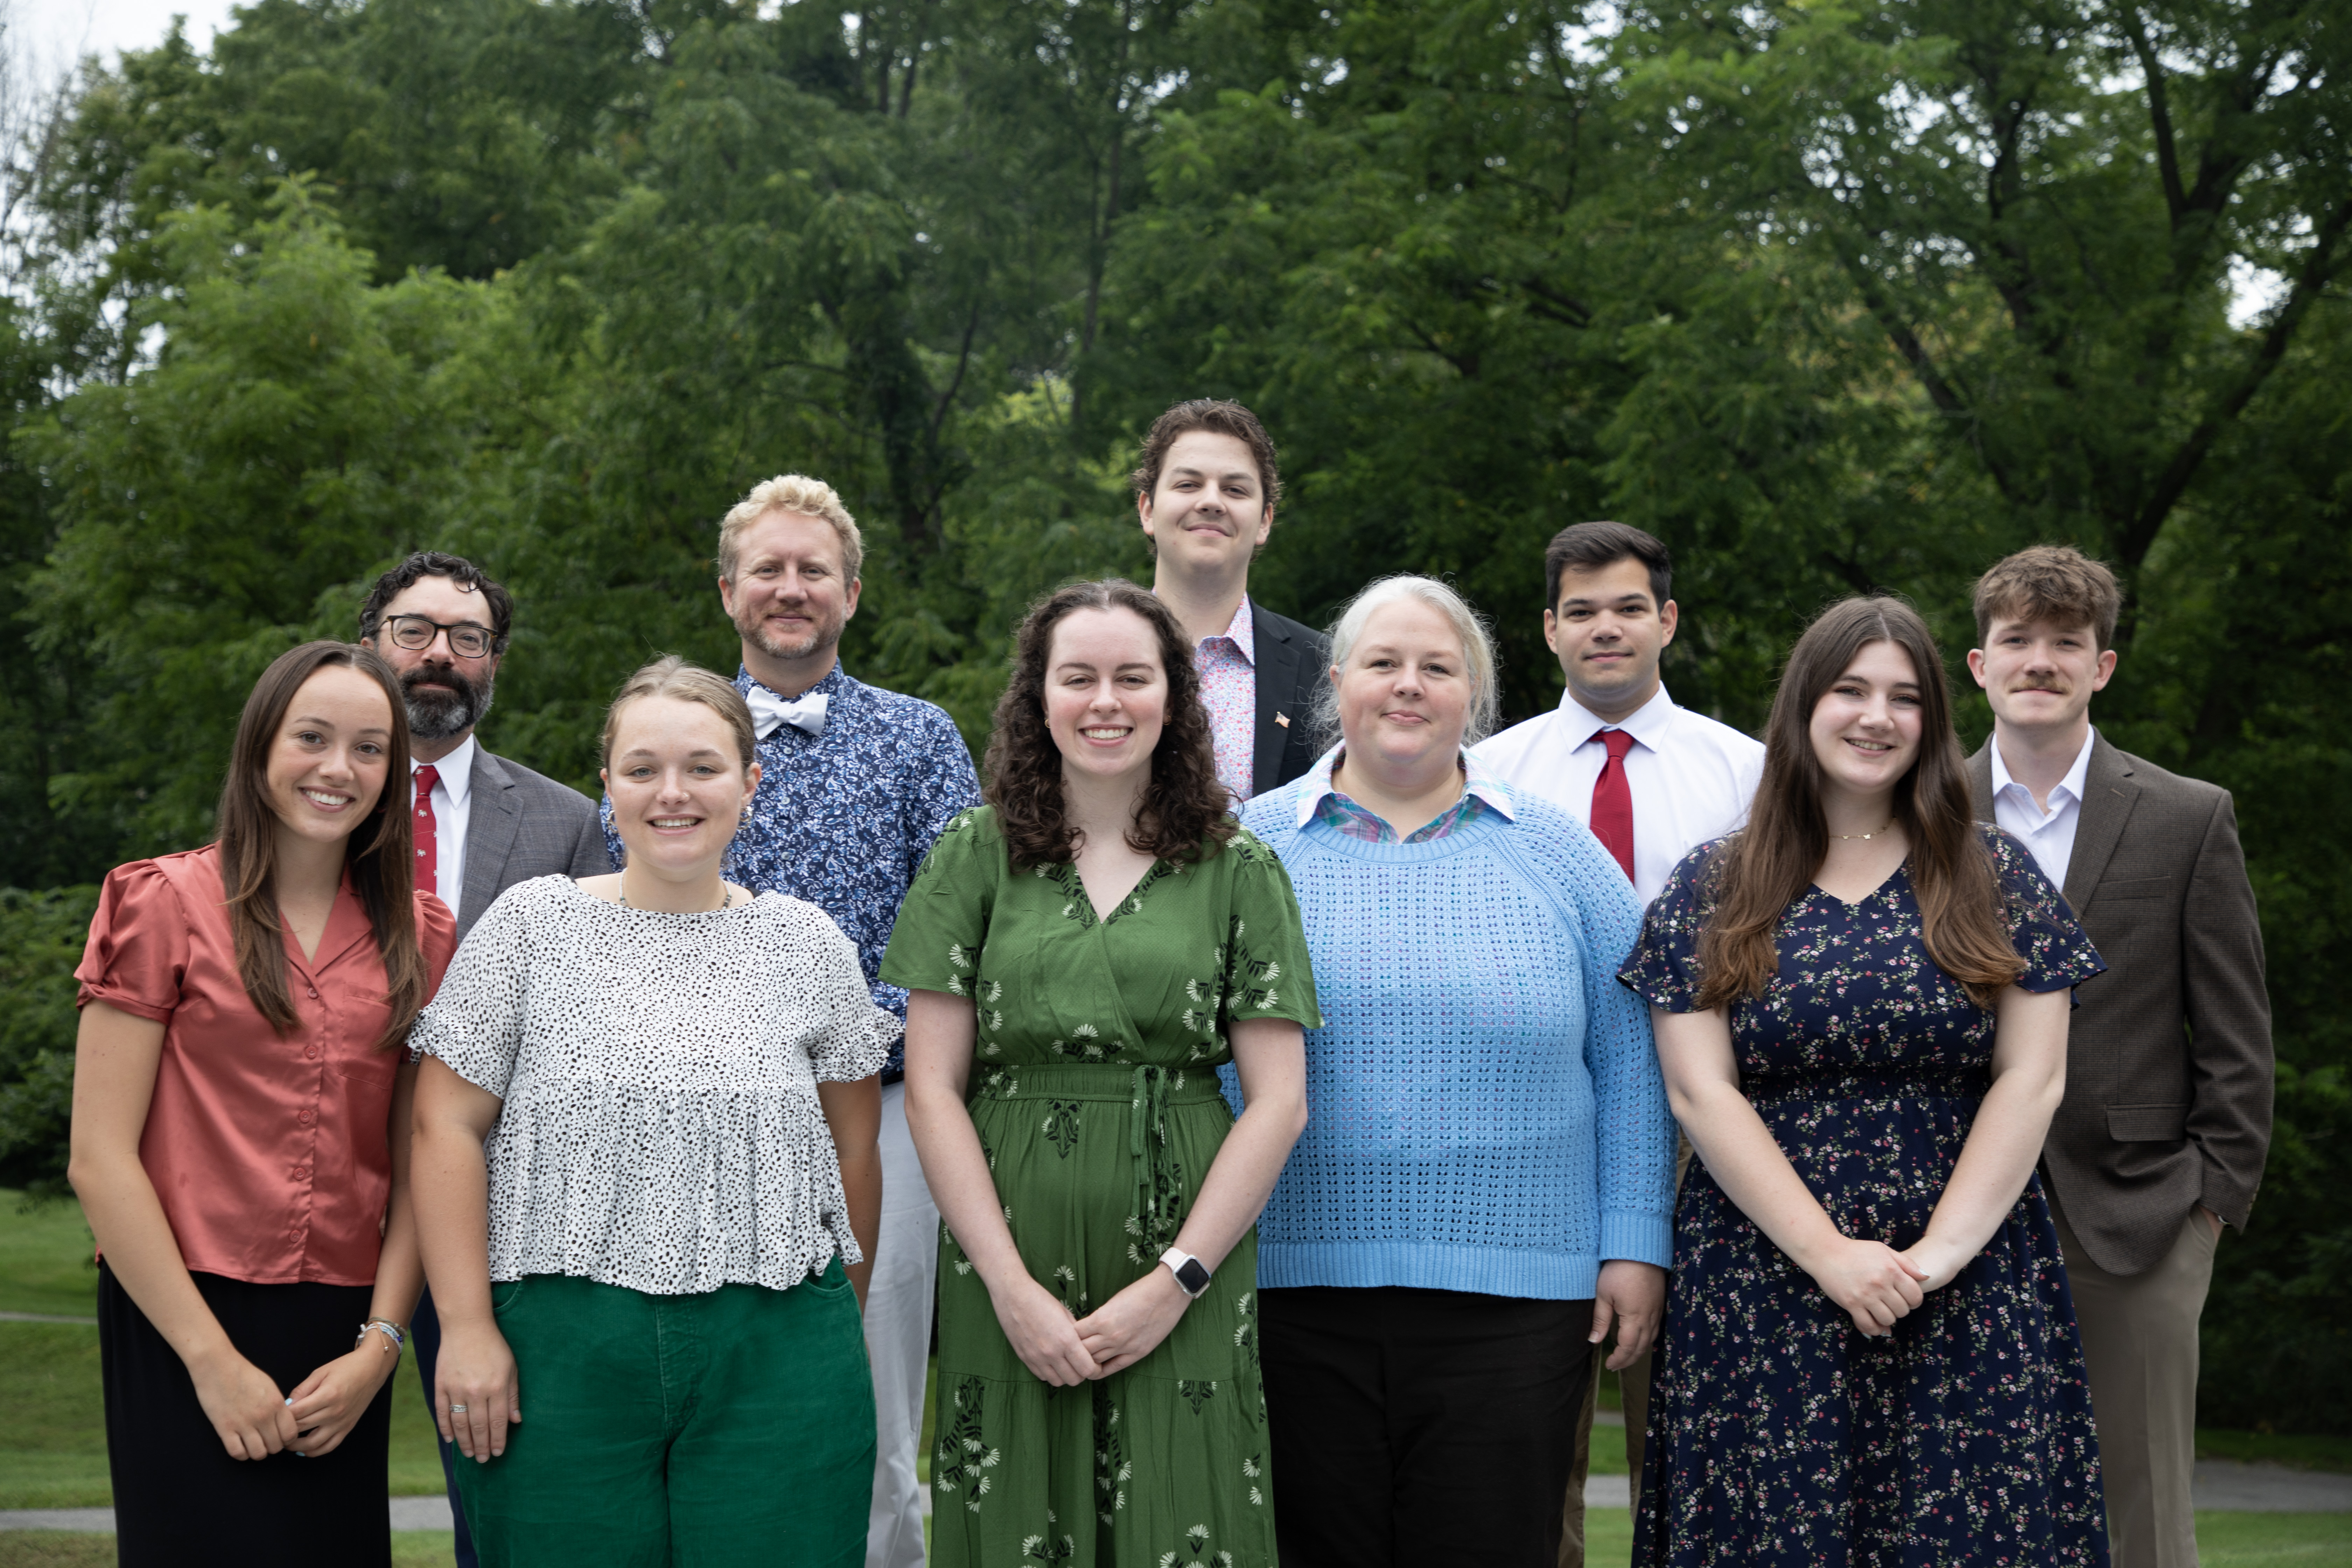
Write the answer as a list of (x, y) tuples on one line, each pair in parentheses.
[(1178, 1262)]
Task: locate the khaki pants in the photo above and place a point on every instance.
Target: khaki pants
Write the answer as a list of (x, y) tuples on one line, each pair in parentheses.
[(2139, 1343), (1635, 1384)]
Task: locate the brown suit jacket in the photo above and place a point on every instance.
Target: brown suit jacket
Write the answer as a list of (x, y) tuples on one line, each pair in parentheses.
[(2169, 1066)]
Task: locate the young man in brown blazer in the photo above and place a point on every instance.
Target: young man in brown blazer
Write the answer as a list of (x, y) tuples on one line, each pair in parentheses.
[(2161, 1140)]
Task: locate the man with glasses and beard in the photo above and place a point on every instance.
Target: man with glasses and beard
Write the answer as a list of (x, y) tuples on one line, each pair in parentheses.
[(481, 823)]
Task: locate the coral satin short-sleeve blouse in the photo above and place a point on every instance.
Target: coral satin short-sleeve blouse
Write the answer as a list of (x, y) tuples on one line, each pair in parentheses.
[(271, 1153)]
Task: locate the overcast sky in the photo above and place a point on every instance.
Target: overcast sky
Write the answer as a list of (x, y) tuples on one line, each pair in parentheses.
[(52, 35)]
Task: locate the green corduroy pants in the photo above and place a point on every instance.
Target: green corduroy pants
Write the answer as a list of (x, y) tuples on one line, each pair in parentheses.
[(722, 1430)]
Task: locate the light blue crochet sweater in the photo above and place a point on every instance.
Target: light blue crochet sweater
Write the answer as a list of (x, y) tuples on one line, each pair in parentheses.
[(1485, 1109)]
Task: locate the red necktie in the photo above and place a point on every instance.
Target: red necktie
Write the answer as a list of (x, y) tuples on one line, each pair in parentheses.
[(1612, 801), (428, 849)]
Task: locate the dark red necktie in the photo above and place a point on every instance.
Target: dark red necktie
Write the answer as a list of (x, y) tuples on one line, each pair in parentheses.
[(1612, 801), (428, 850)]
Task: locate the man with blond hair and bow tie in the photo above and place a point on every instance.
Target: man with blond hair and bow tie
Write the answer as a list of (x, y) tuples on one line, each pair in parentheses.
[(856, 783)]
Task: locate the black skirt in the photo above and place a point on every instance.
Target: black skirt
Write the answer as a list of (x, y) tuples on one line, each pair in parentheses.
[(179, 1498)]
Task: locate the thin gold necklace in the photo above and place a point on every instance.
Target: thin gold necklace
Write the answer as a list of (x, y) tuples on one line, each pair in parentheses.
[(1872, 834), (621, 885)]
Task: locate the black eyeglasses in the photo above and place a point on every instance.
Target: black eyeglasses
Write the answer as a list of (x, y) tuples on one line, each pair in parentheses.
[(416, 632)]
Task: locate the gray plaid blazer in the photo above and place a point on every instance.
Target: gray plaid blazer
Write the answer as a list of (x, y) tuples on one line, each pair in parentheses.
[(523, 824)]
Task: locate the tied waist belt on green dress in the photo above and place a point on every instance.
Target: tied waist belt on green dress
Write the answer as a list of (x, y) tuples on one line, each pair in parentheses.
[(1148, 1092)]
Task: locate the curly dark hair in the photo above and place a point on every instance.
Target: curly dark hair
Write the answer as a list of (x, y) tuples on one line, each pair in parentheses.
[(1183, 814), (438, 564)]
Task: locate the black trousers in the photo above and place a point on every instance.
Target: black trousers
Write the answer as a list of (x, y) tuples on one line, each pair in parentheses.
[(180, 1501), (1413, 1426)]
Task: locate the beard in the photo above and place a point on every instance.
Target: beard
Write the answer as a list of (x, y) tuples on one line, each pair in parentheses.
[(452, 706), (752, 626)]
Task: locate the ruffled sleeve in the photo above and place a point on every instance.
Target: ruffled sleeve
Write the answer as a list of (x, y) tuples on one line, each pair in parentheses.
[(1662, 969), (855, 1038), (2041, 928), (475, 1020), (1267, 971), (137, 956), (943, 921)]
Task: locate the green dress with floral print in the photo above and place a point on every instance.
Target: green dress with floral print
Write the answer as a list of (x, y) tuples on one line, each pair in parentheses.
[(1094, 1089)]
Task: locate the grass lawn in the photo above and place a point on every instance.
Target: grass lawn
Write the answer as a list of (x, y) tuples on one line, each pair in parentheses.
[(48, 1261), (53, 1445)]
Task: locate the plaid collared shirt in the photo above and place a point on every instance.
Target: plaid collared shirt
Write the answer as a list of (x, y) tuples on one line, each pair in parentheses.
[(1481, 792)]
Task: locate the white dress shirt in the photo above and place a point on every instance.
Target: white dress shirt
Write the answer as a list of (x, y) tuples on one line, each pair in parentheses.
[(1690, 776), (2049, 836), (453, 795)]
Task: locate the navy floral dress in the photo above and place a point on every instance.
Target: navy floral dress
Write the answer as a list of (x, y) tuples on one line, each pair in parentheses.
[(1779, 1434)]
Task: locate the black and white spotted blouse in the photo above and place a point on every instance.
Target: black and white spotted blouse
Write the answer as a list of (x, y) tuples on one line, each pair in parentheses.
[(661, 1129)]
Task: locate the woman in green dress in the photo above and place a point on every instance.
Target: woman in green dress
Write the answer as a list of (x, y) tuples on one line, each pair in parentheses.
[(1082, 954)]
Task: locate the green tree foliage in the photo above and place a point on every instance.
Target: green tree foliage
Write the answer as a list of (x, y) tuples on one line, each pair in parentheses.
[(1832, 296), (296, 430), (41, 937)]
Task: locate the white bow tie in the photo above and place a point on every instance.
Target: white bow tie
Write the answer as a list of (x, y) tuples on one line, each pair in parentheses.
[(805, 712)]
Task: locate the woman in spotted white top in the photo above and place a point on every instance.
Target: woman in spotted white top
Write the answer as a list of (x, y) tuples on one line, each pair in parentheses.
[(648, 1181)]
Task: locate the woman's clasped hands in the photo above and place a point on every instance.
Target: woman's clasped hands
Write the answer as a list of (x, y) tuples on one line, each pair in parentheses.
[(1064, 1350), (1871, 1281)]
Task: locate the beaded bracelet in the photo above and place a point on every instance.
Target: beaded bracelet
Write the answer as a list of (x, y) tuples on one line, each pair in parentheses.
[(385, 1327)]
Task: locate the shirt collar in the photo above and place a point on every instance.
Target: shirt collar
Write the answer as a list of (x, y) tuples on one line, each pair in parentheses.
[(2077, 775), (456, 771), (1647, 724), (1477, 780), (1242, 632), (836, 685)]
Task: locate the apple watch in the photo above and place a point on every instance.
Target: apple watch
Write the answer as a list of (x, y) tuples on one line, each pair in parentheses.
[(1192, 1276)]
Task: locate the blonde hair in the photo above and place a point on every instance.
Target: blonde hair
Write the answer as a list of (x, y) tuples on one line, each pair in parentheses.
[(673, 677), (1477, 649), (791, 492)]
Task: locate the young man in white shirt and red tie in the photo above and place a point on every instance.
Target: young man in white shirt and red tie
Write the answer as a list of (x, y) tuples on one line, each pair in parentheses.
[(1653, 781)]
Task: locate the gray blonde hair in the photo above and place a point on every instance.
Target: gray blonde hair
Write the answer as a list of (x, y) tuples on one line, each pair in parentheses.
[(673, 677), (1477, 649), (791, 492)]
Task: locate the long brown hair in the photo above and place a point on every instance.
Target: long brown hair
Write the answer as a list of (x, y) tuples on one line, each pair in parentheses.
[(1182, 815), (379, 852), (1758, 873)]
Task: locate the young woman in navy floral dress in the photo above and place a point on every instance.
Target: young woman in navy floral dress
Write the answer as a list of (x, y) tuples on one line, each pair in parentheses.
[(1869, 1357)]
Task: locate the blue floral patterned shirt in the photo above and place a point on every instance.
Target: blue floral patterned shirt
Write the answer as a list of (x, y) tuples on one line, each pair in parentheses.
[(843, 819)]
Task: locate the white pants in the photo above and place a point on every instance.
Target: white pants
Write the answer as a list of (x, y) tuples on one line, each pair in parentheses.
[(898, 1339)]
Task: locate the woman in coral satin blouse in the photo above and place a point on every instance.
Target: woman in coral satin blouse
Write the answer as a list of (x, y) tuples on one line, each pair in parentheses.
[(240, 1135)]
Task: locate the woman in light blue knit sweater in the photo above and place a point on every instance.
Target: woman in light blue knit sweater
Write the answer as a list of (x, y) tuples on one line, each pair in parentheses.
[(1486, 1180)]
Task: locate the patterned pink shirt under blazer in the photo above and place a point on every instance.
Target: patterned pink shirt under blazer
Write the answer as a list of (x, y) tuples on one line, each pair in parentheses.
[(1228, 669)]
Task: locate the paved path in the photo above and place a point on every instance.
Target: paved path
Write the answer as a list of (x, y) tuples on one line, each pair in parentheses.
[(41, 1318), (407, 1513), (2222, 1486)]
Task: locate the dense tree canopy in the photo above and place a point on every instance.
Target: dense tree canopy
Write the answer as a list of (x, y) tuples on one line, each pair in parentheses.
[(1833, 296)]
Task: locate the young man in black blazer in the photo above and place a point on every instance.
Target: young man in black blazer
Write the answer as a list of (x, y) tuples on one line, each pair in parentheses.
[(1206, 492)]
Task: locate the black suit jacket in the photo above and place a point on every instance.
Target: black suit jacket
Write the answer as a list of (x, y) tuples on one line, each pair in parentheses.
[(2169, 1067), (523, 824), (1294, 661)]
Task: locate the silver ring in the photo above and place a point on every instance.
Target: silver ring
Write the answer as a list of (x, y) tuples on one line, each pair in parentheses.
[(456, 1410)]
